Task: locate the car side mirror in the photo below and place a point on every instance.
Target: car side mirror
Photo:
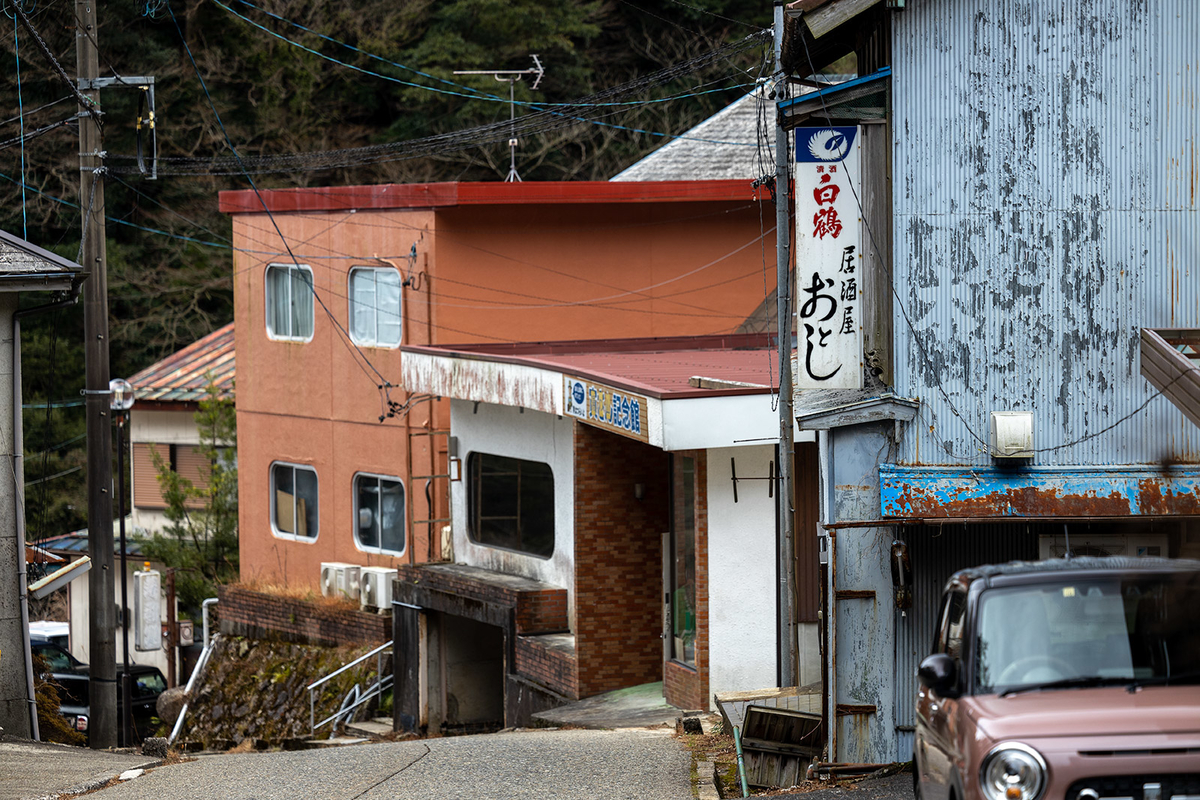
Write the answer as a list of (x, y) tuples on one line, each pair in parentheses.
[(939, 673)]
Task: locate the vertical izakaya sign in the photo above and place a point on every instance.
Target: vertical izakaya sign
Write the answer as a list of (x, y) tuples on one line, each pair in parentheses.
[(828, 299)]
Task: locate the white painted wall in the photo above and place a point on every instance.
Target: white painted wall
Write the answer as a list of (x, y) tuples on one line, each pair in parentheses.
[(535, 436), (741, 572), (687, 424), (156, 427), (77, 602), (163, 427)]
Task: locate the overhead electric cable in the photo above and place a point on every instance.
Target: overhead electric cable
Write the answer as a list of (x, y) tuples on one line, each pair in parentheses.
[(21, 114), (341, 332), (550, 117)]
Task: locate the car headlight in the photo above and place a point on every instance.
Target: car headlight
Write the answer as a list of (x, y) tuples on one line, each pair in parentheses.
[(1012, 771)]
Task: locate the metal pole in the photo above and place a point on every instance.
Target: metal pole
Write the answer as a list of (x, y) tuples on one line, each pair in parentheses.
[(787, 449), (102, 613), (127, 694), (172, 639)]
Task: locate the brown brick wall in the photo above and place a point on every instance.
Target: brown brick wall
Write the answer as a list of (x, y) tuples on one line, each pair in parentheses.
[(553, 669), (683, 686), (618, 560), (537, 610), (249, 613)]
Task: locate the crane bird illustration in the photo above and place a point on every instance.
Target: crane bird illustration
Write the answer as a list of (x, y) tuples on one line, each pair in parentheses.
[(828, 145)]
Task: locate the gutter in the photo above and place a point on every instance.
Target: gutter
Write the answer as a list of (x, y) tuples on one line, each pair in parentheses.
[(18, 457)]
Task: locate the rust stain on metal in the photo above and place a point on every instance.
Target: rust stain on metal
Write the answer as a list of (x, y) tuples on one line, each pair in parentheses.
[(1153, 500), (855, 594), (852, 709), (1027, 501)]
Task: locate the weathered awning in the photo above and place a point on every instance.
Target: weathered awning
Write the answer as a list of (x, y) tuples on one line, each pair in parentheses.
[(856, 99), (966, 493), (1171, 362)]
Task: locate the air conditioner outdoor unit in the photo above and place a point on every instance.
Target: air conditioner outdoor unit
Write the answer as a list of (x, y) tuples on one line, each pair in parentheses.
[(1104, 544), (377, 588), (340, 580)]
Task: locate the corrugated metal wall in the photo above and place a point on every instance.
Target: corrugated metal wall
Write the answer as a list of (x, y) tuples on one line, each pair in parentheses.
[(936, 552), (1047, 164)]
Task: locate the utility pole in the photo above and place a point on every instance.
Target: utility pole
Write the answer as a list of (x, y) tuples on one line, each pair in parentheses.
[(102, 727), (787, 448)]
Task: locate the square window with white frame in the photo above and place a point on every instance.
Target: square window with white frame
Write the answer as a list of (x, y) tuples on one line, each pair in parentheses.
[(289, 302), (379, 521), (294, 501), (375, 312)]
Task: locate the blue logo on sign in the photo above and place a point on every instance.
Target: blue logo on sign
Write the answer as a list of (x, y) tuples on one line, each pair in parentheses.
[(577, 393), (823, 144)]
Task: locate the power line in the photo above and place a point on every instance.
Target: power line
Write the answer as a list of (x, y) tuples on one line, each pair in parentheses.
[(385, 385), (548, 118)]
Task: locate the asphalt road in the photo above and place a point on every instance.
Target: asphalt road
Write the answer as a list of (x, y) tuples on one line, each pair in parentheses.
[(893, 787), (538, 765), (33, 769)]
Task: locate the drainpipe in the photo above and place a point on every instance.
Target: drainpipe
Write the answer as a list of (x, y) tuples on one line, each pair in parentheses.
[(18, 457)]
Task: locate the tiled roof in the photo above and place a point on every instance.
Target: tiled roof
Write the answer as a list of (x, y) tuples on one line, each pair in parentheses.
[(726, 146), (721, 147), (76, 542), (19, 258), (182, 377)]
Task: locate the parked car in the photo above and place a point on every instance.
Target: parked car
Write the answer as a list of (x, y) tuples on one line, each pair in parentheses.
[(1069, 679), (50, 631), (72, 677)]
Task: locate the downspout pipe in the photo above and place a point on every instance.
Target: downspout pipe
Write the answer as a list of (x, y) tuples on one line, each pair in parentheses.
[(18, 457)]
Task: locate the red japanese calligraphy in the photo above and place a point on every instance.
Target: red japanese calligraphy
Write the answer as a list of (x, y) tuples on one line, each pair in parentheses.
[(826, 221)]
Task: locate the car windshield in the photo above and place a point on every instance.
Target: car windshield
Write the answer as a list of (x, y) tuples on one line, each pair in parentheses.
[(1072, 632)]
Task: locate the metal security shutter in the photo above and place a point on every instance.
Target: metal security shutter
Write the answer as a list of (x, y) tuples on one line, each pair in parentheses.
[(936, 552), (146, 493)]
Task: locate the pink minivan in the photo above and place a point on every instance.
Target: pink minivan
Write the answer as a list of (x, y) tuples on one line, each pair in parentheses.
[(1068, 679)]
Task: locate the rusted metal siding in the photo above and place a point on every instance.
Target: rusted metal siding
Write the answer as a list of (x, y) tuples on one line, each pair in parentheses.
[(1046, 170), (990, 493)]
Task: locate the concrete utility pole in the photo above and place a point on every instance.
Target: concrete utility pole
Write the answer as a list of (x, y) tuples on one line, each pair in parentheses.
[(787, 448), (102, 726)]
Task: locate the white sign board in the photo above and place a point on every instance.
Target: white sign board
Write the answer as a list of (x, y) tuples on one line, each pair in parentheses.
[(147, 611), (828, 297)]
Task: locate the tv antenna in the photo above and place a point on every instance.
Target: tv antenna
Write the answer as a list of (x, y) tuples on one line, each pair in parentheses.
[(511, 76)]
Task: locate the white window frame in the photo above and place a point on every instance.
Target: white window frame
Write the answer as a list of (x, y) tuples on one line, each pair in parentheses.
[(271, 334), (350, 302), (380, 550), (274, 516)]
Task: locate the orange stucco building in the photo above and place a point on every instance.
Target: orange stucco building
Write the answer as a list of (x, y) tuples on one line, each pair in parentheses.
[(322, 477)]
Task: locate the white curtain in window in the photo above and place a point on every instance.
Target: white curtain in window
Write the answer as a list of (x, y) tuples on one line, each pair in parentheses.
[(278, 307), (302, 303), (388, 293), (362, 305)]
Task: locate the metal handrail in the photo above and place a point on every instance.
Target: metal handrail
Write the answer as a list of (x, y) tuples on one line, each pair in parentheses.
[(381, 683)]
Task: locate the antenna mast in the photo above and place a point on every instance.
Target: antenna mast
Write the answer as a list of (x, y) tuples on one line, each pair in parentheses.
[(511, 76)]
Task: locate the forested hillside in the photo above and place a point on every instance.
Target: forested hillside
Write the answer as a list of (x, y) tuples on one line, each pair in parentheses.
[(291, 77)]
